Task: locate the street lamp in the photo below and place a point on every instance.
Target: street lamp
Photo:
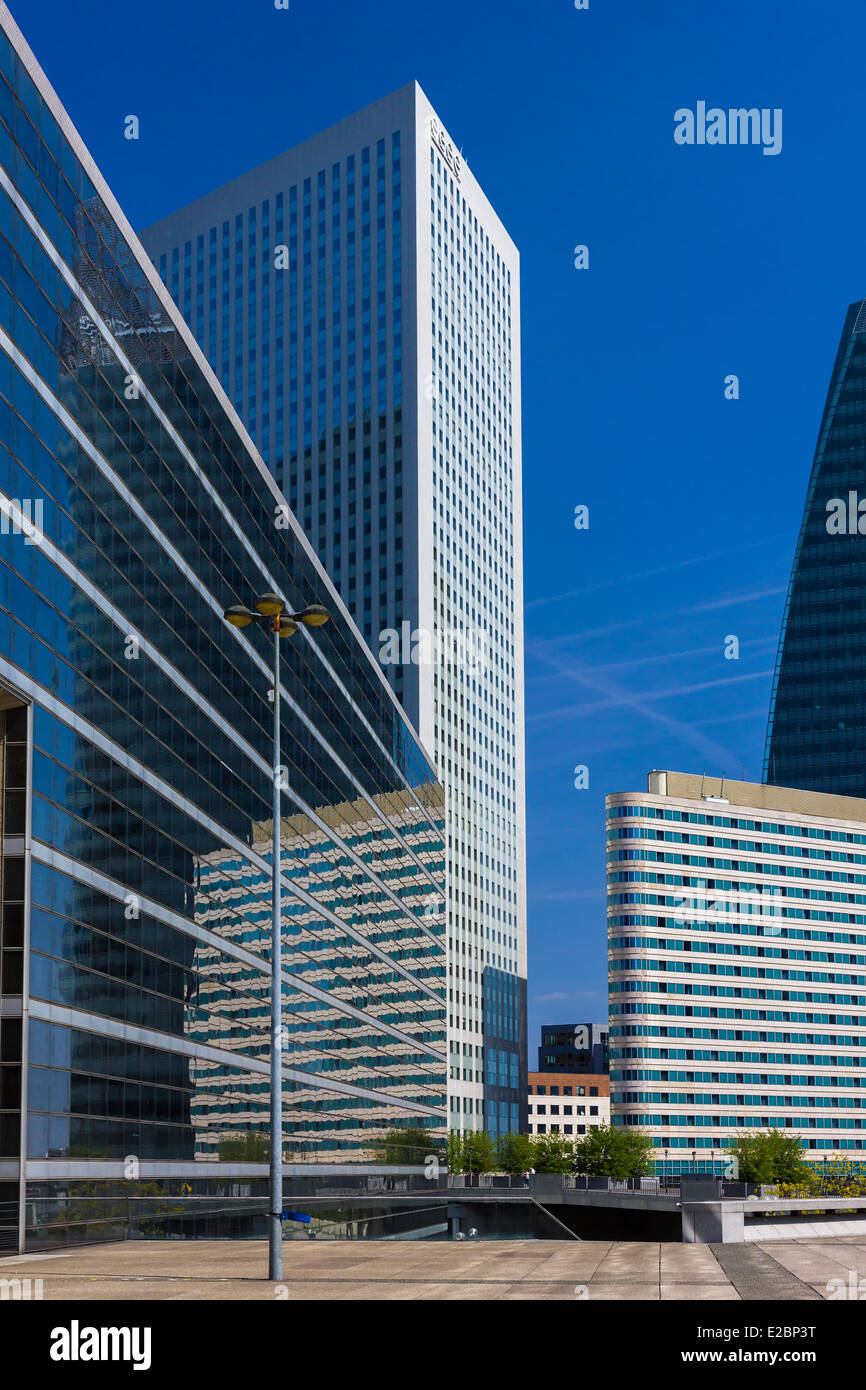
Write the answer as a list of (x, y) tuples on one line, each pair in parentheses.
[(270, 610)]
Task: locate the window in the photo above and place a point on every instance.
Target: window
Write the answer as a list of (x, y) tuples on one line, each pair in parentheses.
[(593, 1110)]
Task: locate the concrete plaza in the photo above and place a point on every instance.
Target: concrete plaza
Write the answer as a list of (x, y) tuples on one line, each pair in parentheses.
[(396, 1270)]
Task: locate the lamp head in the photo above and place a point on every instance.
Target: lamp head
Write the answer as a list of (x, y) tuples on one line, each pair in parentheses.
[(269, 605), (238, 615), (287, 627), (314, 616)]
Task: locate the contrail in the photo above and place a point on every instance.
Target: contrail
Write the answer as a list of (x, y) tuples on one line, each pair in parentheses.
[(625, 699), (643, 574)]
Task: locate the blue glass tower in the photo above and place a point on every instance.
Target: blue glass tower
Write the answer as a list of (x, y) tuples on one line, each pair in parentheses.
[(816, 738)]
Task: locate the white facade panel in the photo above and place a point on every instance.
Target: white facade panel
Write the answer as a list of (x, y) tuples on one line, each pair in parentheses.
[(360, 300)]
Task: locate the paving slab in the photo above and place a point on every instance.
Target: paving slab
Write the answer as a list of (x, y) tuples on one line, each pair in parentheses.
[(452, 1293), (623, 1293), (544, 1293), (758, 1275), (703, 1293), (690, 1264), (841, 1252), (563, 1271), (628, 1265), (819, 1263)]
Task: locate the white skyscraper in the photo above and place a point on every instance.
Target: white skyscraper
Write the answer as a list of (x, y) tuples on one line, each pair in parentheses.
[(360, 300)]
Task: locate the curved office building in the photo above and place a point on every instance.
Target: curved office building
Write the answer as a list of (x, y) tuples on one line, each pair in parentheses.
[(817, 730), (136, 758)]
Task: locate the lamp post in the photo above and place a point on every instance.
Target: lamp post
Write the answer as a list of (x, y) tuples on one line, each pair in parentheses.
[(271, 611)]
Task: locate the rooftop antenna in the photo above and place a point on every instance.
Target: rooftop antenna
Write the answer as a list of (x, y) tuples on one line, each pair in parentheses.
[(703, 780), (722, 788)]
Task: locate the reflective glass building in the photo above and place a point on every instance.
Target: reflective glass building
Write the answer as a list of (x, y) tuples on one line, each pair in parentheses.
[(817, 729), (135, 755)]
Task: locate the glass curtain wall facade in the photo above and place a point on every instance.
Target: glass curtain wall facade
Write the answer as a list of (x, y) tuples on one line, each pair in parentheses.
[(737, 967), (816, 736), (137, 769), (360, 299), (575, 1047)]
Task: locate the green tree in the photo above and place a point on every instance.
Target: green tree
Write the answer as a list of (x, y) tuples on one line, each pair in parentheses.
[(607, 1151), (479, 1151), (552, 1153), (251, 1147), (768, 1157), (515, 1154), (455, 1154), (471, 1152), (786, 1152), (410, 1145)]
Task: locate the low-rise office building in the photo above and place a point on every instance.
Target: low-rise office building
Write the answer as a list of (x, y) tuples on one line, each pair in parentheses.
[(565, 1103)]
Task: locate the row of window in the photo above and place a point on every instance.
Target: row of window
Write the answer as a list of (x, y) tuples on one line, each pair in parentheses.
[(812, 832), (564, 1090), (544, 1128), (564, 1110)]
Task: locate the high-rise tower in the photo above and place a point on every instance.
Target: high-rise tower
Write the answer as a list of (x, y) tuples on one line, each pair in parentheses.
[(359, 298), (817, 730)]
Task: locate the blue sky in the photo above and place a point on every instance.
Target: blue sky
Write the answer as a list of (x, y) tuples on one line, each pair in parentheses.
[(703, 261)]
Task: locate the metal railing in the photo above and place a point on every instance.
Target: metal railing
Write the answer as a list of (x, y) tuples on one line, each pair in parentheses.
[(653, 1187), (53, 1225), (8, 1226), (487, 1181)]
